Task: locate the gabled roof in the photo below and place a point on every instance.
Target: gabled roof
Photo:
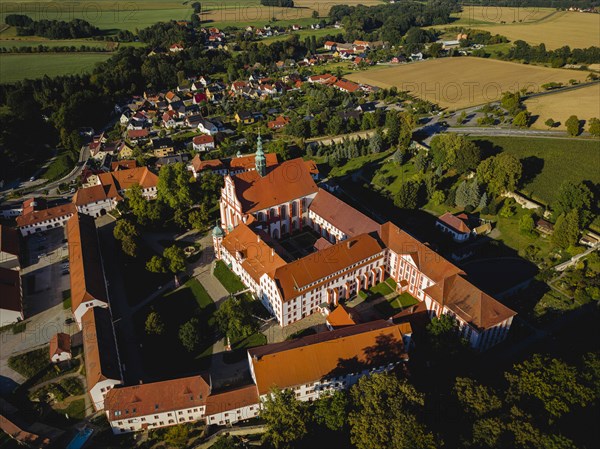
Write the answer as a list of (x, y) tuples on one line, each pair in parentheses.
[(60, 343), (471, 304), (100, 348), (213, 164), (258, 257), (341, 317), (248, 162), (343, 216), (38, 216), (293, 278), (229, 400), (9, 240), (203, 139), (326, 355), (11, 296), (125, 179), (87, 276), (156, 397), (427, 261), (455, 223), (348, 86), (89, 195), (285, 182)]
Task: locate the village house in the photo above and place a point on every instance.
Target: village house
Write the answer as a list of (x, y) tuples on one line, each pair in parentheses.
[(244, 117), (456, 226), (280, 122), (203, 143), (207, 127), (60, 348)]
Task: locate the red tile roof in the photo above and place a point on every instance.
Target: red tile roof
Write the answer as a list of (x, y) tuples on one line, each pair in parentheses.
[(100, 348), (326, 355), (60, 343), (348, 86), (341, 215), (87, 276), (341, 317), (287, 181), (455, 223), (293, 278), (156, 397), (213, 164), (231, 400), (38, 216), (248, 162), (203, 139)]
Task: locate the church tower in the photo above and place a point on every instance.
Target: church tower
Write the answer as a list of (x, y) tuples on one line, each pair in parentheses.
[(261, 161), (217, 234)]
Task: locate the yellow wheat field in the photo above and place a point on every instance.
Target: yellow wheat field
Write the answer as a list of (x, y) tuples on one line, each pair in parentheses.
[(584, 103), (465, 81), (578, 30)]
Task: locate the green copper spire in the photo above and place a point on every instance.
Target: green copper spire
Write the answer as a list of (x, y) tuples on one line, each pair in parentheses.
[(261, 161)]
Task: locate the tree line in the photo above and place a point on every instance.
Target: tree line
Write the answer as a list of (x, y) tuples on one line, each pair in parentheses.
[(52, 29), (523, 51)]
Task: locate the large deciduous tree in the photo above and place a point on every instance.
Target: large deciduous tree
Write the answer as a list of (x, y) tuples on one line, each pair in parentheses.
[(286, 418)]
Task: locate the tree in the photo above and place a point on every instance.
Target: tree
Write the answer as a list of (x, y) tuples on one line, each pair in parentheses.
[(443, 340), (234, 318), (501, 173), (550, 123), (332, 410), (189, 335), (392, 125), (572, 124), (285, 417), (483, 201), (421, 161), (198, 218), (376, 143), (384, 415), (521, 120), (445, 149), (460, 198), (175, 257), (574, 196), (594, 126), (550, 384), (477, 400), (174, 187), (399, 157), (527, 225), (145, 211), (468, 157), (156, 264), (127, 233), (566, 230), (408, 195), (438, 197), (154, 324), (511, 101)]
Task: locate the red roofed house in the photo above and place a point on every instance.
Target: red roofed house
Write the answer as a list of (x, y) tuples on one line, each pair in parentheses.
[(347, 86), (60, 348), (278, 123), (340, 317), (455, 226), (204, 142), (330, 45), (176, 48)]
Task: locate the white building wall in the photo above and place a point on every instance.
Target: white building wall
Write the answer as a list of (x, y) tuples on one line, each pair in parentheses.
[(84, 307), (153, 421), (62, 357), (98, 392), (234, 415), (45, 225)]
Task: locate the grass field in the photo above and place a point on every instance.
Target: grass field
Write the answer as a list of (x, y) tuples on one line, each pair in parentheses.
[(464, 81), (15, 67), (105, 14), (20, 43), (553, 161), (582, 102)]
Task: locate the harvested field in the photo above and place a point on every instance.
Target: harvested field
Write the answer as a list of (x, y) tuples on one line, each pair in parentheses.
[(577, 30), (584, 103), (474, 15), (465, 81)]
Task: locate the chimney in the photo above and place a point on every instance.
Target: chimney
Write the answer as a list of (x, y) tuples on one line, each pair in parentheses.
[(257, 238), (272, 252)]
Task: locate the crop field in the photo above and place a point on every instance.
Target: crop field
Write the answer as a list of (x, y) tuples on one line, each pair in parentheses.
[(582, 102), (107, 15), (548, 162), (243, 13), (534, 25), (465, 81), (15, 67), (477, 15)]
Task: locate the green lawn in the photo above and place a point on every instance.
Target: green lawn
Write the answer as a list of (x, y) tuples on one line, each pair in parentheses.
[(15, 67), (382, 289), (355, 163), (35, 366), (75, 409), (395, 174), (175, 308), (549, 161), (395, 305), (229, 279), (60, 166)]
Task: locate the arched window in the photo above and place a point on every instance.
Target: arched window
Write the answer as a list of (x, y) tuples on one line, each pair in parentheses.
[(283, 212), (295, 209)]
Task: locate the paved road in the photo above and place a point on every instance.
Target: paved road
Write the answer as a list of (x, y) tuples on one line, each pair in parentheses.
[(513, 132)]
